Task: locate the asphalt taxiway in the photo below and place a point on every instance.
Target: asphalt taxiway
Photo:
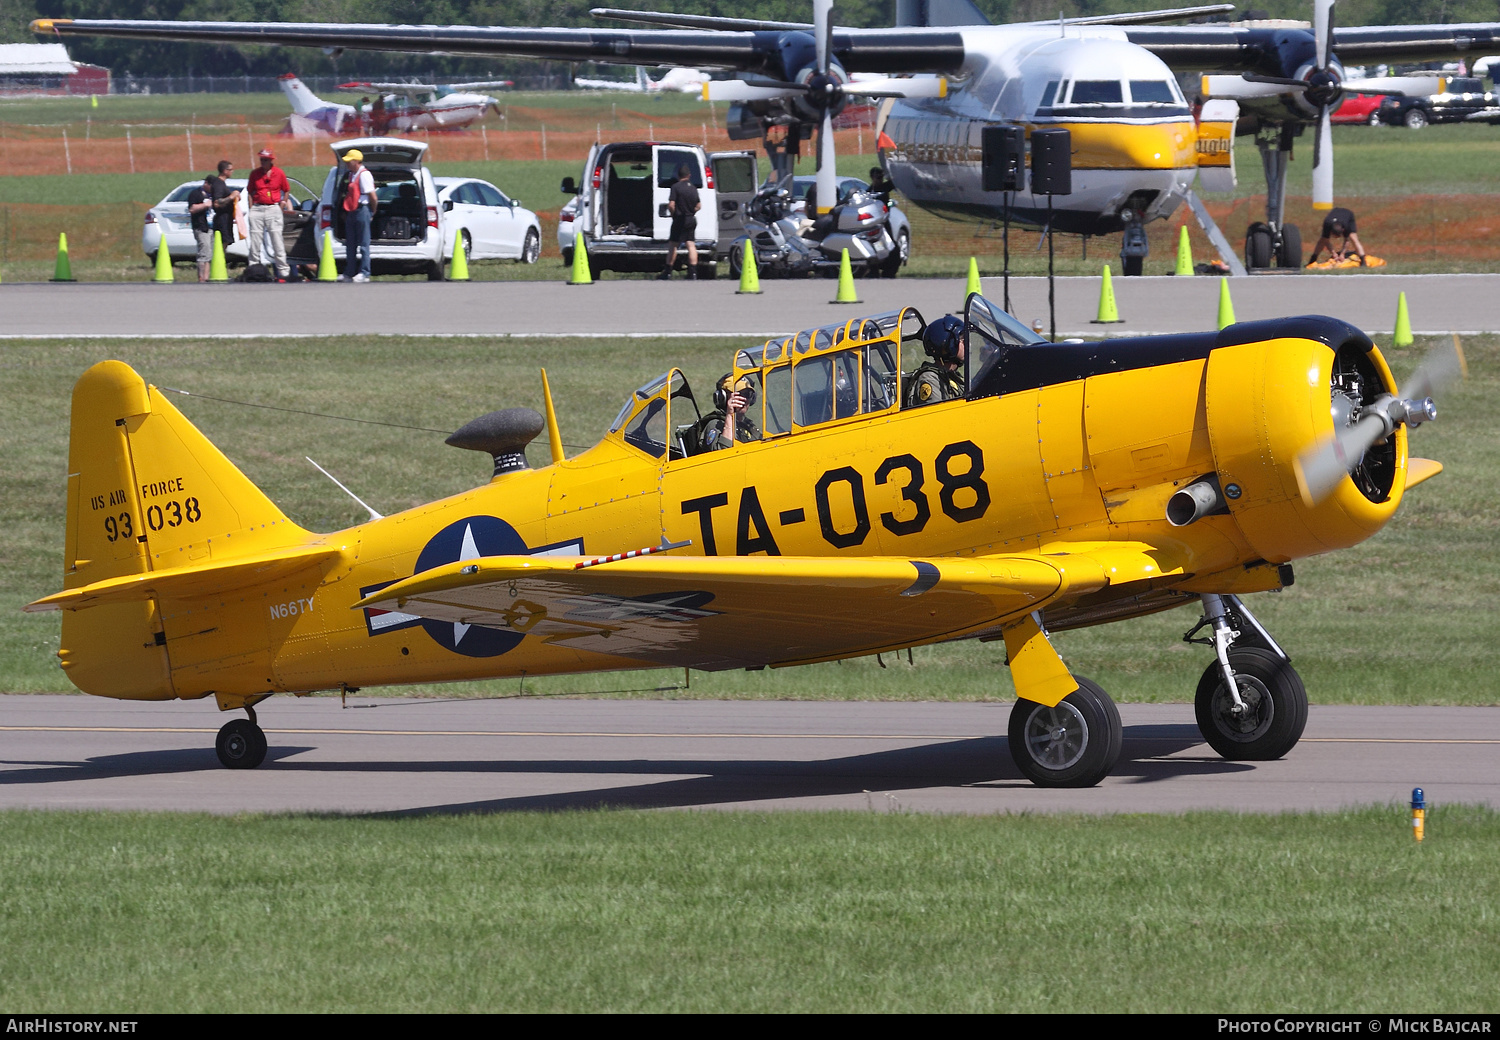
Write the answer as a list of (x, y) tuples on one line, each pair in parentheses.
[(1462, 303), (406, 756)]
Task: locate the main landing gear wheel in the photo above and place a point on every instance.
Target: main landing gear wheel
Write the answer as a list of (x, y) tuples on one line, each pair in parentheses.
[(1289, 252), (241, 745), (1275, 707), (1075, 744), (1258, 247)]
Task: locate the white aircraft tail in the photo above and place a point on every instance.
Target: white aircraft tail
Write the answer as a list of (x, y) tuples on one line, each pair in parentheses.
[(304, 102), (641, 79)]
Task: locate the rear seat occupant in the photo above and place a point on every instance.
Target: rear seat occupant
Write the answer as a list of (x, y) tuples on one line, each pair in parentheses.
[(938, 379)]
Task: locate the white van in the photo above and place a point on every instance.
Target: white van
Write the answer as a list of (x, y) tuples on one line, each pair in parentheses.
[(406, 235), (622, 205)]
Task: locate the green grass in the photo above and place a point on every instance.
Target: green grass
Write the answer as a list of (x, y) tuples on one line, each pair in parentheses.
[(1208, 912), (1405, 618)]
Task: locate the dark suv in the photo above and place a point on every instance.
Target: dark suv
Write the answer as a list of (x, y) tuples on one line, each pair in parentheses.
[(1462, 98)]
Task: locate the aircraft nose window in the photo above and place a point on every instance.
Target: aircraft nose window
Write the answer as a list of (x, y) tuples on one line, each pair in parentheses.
[(1151, 92), (1097, 92)]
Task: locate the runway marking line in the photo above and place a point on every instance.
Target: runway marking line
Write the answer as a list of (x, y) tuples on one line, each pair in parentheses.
[(664, 736)]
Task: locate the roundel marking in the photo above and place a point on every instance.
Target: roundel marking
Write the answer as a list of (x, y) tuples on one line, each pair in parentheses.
[(469, 539)]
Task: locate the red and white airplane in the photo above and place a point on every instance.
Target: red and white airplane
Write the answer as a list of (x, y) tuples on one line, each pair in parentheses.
[(397, 107)]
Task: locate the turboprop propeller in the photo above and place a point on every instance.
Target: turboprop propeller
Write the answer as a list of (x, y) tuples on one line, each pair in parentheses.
[(1320, 85), (1323, 468), (819, 89)]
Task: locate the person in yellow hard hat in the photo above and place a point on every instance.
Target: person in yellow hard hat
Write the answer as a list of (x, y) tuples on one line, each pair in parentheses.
[(359, 204)]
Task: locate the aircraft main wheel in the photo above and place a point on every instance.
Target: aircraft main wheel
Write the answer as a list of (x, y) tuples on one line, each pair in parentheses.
[(1275, 707), (1075, 744), (241, 745), (1289, 256), (1258, 247), (531, 249)]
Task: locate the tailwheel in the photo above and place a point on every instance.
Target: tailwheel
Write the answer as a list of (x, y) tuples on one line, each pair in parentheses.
[(1274, 709), (1074, 744), (241, 745)]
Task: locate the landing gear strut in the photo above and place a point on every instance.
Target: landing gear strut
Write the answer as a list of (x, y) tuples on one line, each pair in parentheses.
[(1274, 240), (1251, 704), (1074, 744), (241, 743)]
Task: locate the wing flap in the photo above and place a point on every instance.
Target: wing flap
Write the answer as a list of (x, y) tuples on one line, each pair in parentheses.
[(186, 582), (730, 612)]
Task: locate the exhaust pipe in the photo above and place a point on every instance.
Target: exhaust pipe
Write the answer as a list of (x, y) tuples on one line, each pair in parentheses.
[(1199, 499)]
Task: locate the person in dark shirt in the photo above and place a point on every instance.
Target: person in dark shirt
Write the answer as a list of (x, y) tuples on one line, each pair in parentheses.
[(879, 186), (200, 208), (683, 204), (1338, 224), (225, 200)]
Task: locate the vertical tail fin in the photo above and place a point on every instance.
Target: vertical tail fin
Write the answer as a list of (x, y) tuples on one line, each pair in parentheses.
[(146, 491), (642, 80), (304, 102)]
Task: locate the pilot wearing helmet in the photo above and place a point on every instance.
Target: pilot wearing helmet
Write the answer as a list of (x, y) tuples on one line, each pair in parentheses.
[(731, 397), (939, 378)]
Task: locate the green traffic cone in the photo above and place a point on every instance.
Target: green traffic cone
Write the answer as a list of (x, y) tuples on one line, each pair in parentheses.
[(749, 277), (328, 269), (1184, 255), (581, 274), (1226, 305), (458, 267), (1403, 337), (218, 271), (1109, 314), (846, 281), (973, 286), (163, 263), (63, 272)]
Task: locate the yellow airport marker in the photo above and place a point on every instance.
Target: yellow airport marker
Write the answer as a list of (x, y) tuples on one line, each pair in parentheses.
[(1418, 814), (218, 271), (973, 286), (63, 272), (328, 271), (1403, 336), (749, 276), (1109, 314), (458, 268), (163, 263), (581, 275), (846, 281), (1184, 255), (1226, 305)]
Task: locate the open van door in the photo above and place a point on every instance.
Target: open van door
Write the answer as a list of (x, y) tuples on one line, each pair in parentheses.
[(667, 158), (736, 175)]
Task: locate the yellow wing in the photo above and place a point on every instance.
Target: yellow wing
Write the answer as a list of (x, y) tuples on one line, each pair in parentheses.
[(748, 611)]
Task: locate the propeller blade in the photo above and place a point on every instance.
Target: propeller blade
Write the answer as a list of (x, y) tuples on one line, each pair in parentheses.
[(823, 31), (1236, 88), (1440, 368), (1323, 163), (1323, 468), (1408, 86), (927, 87), (1323, 29), (827, 172), (739, 90)]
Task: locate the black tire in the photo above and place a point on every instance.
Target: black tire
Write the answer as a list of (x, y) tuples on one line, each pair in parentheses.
[(1075, 744), (1273, 693), (1374, 119), (531, 249), (241, 745), (1133, 266), (902, 253), (1258, 247), (567, 255), (435, 271), (1415, 119), (737, 261), (1289, 256)]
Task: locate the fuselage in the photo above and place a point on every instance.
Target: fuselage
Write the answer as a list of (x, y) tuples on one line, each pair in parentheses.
[(1134, 138)]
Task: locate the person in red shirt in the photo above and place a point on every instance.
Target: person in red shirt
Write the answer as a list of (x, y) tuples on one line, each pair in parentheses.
[(268, 202)]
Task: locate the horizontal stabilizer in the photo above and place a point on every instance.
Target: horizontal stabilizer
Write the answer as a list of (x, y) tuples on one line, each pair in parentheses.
[(211, 579)]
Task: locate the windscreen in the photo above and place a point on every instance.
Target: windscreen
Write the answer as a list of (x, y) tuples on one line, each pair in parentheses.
[(992, 333)]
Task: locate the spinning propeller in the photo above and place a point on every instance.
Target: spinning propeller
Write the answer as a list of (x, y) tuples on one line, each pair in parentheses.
[(1322, 86), (819, 88), (1323, 468)]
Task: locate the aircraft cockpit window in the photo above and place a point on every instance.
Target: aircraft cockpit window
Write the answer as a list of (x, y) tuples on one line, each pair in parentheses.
[(1097, 92), (1048, 94), (778, 398), (882, 376), (748, 358), (643, 393), (775, 349), (992, 333), (828, 337), (1152, 92), (803, 343), (648, 430), (827, 388)]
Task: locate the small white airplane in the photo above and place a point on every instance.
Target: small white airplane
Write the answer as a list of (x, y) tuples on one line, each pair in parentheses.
[(675, 81), (407, 106)]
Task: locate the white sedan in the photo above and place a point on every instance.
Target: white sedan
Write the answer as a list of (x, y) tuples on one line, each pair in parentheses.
[(492, 225), (170, 216)]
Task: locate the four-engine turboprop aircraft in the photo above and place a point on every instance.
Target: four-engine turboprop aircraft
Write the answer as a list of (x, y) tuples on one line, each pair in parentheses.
[(1076, 484), (1135, 154)]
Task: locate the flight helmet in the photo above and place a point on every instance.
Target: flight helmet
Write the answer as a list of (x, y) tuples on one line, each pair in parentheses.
[(942, 337)]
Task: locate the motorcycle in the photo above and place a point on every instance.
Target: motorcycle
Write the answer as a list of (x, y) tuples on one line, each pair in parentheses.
[(788, 245)]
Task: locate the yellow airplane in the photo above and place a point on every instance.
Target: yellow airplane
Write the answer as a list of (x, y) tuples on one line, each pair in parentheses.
[(1075, 484)]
